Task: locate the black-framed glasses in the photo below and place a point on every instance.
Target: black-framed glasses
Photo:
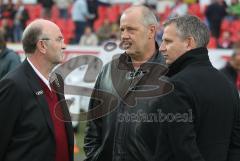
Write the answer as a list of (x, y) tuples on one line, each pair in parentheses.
[(59, 39)]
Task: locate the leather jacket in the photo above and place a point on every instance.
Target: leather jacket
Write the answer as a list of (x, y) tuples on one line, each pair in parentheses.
[(124, 123)]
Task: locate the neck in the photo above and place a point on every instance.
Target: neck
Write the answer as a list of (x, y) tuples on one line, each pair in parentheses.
[(41, 65), (138, 62)]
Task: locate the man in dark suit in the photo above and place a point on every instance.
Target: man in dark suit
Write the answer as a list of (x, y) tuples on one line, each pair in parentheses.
[(213, 133), (34, 119)]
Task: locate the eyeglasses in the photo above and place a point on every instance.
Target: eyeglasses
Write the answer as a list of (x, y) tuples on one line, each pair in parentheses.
[(59, 39)]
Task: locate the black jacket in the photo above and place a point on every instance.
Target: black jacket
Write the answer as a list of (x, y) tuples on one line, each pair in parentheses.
[(214, 102), (119, 129), (27, 131), (9, 60)]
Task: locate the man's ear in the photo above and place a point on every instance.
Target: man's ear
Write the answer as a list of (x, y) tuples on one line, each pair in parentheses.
[(151, 31), (190, 43), (41, 46)]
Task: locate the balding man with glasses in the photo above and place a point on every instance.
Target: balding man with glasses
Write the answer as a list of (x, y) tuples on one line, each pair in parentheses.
[(34, 121)]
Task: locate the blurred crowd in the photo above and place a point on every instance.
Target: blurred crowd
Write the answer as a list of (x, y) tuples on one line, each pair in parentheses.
[(93, 22)]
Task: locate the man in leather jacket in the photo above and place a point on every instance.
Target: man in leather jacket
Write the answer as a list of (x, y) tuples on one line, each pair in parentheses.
[(123, 123)]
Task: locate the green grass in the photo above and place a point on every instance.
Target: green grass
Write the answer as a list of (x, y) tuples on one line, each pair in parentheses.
[(80, 141)]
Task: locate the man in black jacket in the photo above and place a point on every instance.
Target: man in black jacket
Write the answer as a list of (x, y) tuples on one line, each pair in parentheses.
[(123, 109), (214, 132)]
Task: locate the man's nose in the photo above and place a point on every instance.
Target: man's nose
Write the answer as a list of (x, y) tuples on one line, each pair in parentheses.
[(64, 45), (125, 35)]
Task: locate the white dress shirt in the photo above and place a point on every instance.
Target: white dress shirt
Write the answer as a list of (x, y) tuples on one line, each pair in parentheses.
[(40, 75)]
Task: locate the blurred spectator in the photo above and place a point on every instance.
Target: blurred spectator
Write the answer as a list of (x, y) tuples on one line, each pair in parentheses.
[(115, 31), (7, 30), (88, 38), (104, 33), (234, 9), (63, 6), (225, 40), (79, 15), (93, 10), (8, 12), (9, 60), (47, 8), (20, 19), (1, 8), (180, 8), (232, 68), (215, 13)]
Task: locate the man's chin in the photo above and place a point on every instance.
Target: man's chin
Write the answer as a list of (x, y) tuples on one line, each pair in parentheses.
[(129, 52), (168, 63), (58, 62)]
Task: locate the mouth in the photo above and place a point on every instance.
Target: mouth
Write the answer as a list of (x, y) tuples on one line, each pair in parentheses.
[(125, 45), (165, 55)]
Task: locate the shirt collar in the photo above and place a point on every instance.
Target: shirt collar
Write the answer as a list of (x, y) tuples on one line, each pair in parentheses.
[(40, 75)]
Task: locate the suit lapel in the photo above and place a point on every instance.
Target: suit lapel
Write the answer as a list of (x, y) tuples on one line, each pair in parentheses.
[(38, 93)]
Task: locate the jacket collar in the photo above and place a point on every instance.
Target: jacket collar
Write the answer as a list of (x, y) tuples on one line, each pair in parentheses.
[(190, 57)]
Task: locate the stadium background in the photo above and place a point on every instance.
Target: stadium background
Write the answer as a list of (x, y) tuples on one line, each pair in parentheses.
[(105, 29)]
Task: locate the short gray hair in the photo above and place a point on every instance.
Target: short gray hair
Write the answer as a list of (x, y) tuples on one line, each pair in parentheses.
[(189, 25), (148, 17), (30, 38)]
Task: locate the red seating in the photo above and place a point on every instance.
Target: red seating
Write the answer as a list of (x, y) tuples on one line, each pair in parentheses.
[(225, 25), (113, 13), (212, 43), (195, 9), (34, 11)]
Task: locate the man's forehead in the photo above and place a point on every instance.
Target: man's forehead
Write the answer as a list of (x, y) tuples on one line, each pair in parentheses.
[(129, 25), (133, 21), (52, 30), (131, 14)]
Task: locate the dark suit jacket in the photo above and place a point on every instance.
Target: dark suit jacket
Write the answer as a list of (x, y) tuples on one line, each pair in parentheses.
[(26, 129), (214, 134)]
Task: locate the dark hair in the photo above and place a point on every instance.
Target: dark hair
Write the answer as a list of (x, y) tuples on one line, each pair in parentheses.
[(30, 38)]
